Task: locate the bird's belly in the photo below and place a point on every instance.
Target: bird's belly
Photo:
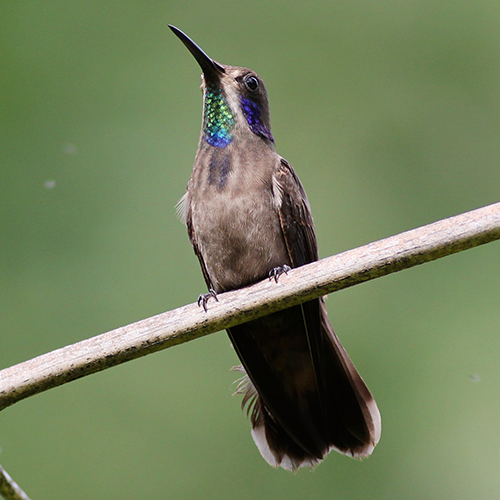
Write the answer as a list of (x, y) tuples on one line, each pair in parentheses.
[(240, 240)]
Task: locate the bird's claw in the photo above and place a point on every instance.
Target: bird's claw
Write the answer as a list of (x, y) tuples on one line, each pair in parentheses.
[(204, 298), (276, 272)]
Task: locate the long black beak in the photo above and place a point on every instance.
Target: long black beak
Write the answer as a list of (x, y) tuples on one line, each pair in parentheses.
[(211, 69)]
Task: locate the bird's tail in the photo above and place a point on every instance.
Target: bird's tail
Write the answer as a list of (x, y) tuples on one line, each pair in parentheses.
[(298, 418)]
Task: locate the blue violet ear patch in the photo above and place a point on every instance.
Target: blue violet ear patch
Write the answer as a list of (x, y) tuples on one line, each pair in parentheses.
[(252, 113)]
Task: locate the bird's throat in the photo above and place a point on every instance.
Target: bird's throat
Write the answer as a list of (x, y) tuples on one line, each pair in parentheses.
[(218, 118)]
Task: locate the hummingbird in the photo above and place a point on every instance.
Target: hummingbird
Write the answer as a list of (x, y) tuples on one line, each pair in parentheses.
[(248, 219)]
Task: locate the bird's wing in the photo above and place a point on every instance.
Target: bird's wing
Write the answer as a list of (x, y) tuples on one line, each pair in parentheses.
[(356, 429), (184, 211), (295, 215)]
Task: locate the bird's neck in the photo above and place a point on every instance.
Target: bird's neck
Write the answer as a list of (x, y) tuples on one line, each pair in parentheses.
[(219, 118)]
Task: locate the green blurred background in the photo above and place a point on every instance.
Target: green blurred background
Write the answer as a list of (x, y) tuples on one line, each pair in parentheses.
[(390, 113)]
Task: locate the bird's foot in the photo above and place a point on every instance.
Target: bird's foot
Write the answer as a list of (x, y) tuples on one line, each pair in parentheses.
[(204, 298), (276, 272)]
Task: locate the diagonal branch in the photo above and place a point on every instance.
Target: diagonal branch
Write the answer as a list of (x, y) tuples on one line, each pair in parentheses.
[(186, 323), (9, 488)]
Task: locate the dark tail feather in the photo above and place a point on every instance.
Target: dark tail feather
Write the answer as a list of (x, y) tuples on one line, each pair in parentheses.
[(355, 424), (274, 443), (303, 394)]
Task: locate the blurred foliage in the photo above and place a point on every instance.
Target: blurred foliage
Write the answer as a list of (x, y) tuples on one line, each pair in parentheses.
[(390, 113)]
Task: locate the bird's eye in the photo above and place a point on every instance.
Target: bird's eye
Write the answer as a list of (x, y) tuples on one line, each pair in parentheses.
[(251, 83)]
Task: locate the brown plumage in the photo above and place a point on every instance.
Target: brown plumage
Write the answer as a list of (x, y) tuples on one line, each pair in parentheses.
[(247, 216)]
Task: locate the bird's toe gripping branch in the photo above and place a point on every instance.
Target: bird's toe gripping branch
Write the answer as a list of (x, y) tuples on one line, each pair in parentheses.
[(276, 272), (205, 297)]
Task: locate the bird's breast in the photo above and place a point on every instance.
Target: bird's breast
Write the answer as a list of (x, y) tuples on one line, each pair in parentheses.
[(235, 221)]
